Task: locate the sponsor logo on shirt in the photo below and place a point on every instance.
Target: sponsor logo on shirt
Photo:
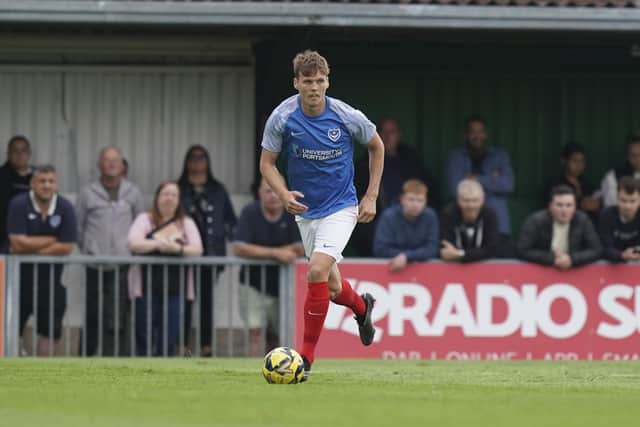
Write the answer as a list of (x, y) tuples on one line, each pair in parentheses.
[(307, 154)]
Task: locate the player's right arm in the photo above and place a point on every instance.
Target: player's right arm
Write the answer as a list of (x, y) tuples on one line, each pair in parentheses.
[(274, 178)]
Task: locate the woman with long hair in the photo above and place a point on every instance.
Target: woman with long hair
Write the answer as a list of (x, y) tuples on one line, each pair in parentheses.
[(165, 230), (206, 200)]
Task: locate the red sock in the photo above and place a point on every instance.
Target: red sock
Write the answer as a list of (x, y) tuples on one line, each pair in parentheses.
[(349, 298), (315, 311)]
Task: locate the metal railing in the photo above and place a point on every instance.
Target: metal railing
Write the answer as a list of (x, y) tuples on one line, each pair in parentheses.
[(158, 315)]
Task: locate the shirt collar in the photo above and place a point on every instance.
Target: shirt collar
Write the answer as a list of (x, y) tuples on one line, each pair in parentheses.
[(52, 205)]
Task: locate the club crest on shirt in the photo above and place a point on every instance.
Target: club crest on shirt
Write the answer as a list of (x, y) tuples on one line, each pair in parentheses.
[(334, 134), (55, 221)]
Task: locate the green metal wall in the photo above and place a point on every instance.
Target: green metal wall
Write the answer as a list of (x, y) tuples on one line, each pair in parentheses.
[(529, 115), (534, 100)]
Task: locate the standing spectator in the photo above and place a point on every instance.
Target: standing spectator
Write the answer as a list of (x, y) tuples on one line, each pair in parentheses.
[(630, 168), (42, 223), (560, 236), (490, 166), (407, 232), (401, 163), (163, 231), (106, 208), (620, 225), (205, 199), (265, 231), (574, 162), (15, 178), (469, 228)]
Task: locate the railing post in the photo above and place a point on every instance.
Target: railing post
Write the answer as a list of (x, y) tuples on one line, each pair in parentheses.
[(286, 302), (12, 295)]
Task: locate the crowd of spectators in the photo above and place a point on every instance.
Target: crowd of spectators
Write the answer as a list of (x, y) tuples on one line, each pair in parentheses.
[(579, 223)]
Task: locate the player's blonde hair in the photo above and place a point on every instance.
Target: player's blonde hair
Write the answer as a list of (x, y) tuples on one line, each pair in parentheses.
[(308, 63), (414, 186)]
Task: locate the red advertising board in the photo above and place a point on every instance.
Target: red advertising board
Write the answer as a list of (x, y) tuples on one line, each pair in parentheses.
[(486, 311)]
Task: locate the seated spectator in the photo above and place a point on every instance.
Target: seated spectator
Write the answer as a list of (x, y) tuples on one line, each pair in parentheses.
[(630, 168), (573, 166), (469, 228), (408, 232), (265, 231), (620, 225), (490, 166), (42, 223), (560, 236), (163, 231), (15, 178), (401, 163)]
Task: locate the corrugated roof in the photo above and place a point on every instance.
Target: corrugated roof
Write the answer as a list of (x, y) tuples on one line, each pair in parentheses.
[(539, 15), (520, 3)]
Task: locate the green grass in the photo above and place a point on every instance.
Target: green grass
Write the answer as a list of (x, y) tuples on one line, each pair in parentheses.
[(355, 393)]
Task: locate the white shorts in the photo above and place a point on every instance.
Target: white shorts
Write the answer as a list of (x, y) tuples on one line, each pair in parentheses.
[(330, 234)]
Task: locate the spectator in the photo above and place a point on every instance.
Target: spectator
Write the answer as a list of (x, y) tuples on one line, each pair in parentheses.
[(106, 208), (620, 225), (559, 236), (265, 231), (163, 231), (42, 223), (15, 178), (205, 199), (407, 232), (401, 163), (469, 228), (573, 165), (631, 167), (490, 166)]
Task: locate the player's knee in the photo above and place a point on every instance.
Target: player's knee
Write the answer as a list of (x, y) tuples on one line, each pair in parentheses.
[(317, 273)]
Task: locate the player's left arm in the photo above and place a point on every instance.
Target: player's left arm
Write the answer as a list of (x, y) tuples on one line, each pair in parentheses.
[(367, 208)]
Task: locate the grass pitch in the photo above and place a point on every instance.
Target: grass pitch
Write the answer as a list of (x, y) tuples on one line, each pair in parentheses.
[(352, 393)]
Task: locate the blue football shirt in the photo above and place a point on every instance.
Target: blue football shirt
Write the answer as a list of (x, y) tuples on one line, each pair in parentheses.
[(319, 151)]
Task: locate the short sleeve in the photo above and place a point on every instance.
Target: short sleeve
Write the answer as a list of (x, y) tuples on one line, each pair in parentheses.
[(17, 217), (68, 228), (274, 128), (360, 127), (272, 136)]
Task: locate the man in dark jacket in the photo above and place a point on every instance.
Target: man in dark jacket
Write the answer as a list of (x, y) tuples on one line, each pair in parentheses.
[(560, 236), (620, 225), (469, 228)]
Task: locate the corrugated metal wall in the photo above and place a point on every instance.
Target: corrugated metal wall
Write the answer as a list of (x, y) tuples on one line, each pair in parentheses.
[(530, 115), (153, 114)]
